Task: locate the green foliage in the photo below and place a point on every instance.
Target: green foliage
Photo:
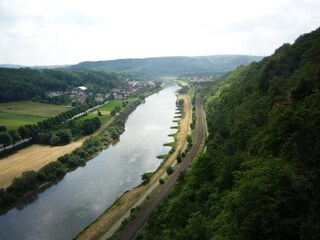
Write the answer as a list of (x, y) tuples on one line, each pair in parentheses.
[(5, 139), (26, 84), (259, 178), (169, 170), (146, 177)]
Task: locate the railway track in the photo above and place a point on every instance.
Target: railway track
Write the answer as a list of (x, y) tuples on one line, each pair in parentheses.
[(130, 231)]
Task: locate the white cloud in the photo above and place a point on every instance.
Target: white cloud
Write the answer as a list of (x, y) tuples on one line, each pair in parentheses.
[(48, 32)]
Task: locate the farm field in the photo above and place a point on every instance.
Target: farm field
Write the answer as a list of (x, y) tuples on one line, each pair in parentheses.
[(14, 121), (15, 114), (111, 105), (37, 156), (33, 108)]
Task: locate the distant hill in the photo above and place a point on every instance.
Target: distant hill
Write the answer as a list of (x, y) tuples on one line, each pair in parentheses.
[(162, 66), (8, 65), (27, 83)]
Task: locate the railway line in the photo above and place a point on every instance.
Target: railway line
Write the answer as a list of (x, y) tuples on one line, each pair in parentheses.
[(130, 231)]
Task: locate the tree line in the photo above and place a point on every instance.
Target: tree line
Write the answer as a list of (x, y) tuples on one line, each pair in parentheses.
[(58, 130), (54, 171)]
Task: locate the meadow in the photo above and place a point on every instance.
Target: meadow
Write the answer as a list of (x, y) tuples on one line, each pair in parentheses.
[(111, 105), (15, 114)]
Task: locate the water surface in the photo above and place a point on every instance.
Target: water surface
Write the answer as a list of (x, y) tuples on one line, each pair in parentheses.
[(63, 210)]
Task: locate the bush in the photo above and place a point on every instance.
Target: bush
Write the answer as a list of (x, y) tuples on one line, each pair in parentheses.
[(170, 170), (161, 181), (146, 177), (21, 185)]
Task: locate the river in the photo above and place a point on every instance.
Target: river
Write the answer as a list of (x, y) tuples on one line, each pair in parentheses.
[(63, 210)]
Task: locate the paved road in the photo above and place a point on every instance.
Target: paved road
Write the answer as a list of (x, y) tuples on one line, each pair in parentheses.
[(130, 231)]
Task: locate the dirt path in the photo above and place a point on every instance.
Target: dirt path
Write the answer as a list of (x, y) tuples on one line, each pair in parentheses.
[(35, 157), (129, 199)]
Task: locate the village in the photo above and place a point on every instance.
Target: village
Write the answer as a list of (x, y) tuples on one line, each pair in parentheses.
[(200, 79), (129, 88)]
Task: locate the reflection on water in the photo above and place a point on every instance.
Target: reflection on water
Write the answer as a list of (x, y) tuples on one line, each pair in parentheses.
[(63, 210)]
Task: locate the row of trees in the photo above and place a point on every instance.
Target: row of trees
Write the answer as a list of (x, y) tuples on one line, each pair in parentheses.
[(54, 171), (58, 130), (10, 137)]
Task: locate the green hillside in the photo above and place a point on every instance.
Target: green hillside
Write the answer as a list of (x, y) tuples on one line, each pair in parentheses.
[(260, 175), (26, 83), (170, 65)]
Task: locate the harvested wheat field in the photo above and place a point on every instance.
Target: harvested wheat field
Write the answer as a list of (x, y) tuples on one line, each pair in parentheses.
[(35, 157), (31, 158)]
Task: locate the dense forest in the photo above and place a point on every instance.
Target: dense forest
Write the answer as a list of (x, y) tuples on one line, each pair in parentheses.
[(26, 83), (260, 175)]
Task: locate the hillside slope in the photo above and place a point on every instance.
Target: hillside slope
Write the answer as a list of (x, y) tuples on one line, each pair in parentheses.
[(26, 83), (259, 178), (169, 65)]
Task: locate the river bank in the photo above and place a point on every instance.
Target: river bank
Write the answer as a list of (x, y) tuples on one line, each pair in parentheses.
[(67, 207), (128, 200)]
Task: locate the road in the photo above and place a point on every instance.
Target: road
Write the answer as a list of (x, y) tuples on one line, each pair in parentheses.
[(130, 231)]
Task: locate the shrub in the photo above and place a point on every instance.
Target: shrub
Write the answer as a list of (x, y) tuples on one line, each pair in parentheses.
[(170, 170)]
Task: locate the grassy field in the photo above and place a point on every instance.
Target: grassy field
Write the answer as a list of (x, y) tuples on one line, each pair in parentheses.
[(30, 108), (105, 110), (15, 114), (14, 121), (104, 118), (111, 105)]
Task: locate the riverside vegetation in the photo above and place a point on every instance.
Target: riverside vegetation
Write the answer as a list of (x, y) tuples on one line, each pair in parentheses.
[(54, 171), (259, 177)]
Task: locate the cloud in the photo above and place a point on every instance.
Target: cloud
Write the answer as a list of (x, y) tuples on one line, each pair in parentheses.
[(56, 32)]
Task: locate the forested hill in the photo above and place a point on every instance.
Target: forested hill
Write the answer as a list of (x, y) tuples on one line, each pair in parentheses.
[(260, 175), (26, 83), (164, 66)]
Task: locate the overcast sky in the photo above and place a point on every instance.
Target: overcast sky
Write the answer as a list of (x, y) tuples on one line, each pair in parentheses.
[(50, 32)]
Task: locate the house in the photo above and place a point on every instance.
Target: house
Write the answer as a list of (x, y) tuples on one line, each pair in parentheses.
[(82, 99), (99, 98), (82, 88), (117, 96)]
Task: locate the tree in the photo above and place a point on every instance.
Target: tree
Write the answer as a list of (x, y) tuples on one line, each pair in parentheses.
[(146, 177), (161, 181), (5, 139), (15, 136), (179, 158), (65, 136), (170, 170), (54, 140), (24, 132), (3, 128)]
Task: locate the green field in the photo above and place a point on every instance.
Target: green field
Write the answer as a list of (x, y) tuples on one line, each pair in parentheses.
[(14, 121), (111, 105), (32, 108), (104, 118), (15, 114), (105, 109)]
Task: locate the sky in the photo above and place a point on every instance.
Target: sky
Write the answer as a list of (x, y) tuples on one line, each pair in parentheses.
[(54, 32)]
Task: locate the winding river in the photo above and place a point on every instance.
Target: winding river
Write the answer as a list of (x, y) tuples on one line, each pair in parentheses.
[(63, 210)]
